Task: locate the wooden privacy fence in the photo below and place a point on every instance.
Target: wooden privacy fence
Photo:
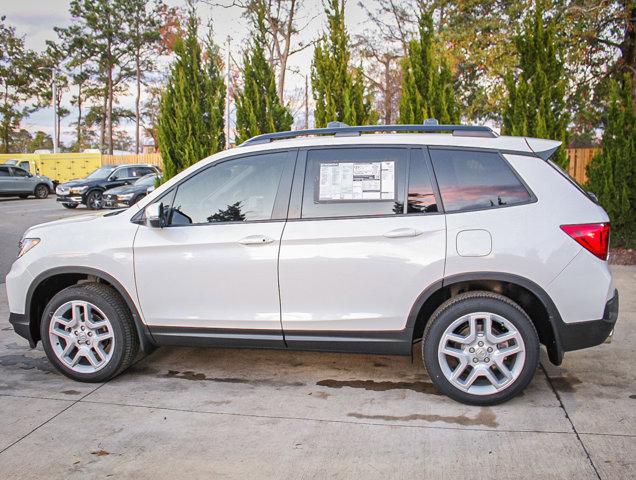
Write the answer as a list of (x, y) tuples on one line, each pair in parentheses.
[(149, 158), (579, 160)]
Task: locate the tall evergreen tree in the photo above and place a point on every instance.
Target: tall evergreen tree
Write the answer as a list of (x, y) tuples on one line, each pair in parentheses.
[(190, 123), (338, 89), (258, 107), (536, 95), (427, 83), (612, 173)]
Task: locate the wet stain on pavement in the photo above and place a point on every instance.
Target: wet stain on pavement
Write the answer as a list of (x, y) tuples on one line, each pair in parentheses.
[(421, 387), (26, 363), (565, 383), (633, 397), (70, 392), (485, 418), (190, 375)]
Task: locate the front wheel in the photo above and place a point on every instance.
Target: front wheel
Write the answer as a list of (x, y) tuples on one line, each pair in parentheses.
[(480, 348), (94, 200), (41, 191), (88, 333)]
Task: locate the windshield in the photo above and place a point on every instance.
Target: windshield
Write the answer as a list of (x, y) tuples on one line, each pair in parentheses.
[(11, 162), (146, 181), (102, 172)]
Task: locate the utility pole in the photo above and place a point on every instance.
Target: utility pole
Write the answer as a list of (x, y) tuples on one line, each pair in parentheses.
[(228, 94), (56, 134)]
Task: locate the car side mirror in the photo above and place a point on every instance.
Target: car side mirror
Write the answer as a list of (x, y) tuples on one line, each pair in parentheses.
[(155, 215)]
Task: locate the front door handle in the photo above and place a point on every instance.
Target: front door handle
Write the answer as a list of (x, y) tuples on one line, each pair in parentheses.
[(256, 240), (403, 232)]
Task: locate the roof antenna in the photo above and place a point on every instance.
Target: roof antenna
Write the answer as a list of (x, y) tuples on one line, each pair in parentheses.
[(430, 121)]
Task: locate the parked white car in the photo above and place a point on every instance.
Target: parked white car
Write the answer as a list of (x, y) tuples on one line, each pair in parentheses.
[(338, 240)]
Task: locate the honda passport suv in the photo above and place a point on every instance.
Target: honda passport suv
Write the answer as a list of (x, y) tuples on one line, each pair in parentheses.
[(349, 239)]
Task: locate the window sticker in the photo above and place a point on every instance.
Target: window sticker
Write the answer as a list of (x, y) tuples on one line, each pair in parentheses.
[(357, 181)]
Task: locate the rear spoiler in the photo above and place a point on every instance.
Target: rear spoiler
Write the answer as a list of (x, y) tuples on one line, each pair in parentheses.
[(543, 148)]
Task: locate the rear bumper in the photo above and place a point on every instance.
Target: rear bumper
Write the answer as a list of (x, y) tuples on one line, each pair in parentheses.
[(578, 335), (21, 327)]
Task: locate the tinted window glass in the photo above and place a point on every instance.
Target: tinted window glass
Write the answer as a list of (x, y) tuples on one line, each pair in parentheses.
[(471, 180), (342, 182), (421, 197), (137, 172), (122, 173), (234, 191), (4, 171), (18, 172)]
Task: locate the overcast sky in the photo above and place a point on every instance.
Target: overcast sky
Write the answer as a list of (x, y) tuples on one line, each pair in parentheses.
[(35, 19)]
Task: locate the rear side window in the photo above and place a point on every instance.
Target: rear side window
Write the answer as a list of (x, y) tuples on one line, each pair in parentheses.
[(472, 180), (349, 182)]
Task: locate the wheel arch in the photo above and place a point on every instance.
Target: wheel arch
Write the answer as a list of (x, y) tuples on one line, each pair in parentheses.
[(52, 281), (530, 296)]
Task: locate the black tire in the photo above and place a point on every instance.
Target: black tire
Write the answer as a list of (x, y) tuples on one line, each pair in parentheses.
[(41, 191), (69, 205), (126, 342), (94, 200), (479, 301)]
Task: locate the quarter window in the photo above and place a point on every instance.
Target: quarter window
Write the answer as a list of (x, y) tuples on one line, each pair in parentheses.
[(343, 182), (470, 180), (237, 190)]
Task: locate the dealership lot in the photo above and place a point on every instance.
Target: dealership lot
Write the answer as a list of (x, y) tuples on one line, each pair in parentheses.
[(187, 412)]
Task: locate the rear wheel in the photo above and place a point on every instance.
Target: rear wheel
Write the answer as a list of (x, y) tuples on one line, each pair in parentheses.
[(94, 200), (88, 333), (69, 205), (480, 348), (41, 191)]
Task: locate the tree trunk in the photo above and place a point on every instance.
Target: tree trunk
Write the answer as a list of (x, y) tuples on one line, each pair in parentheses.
[(79, 118), (102, 132), (628, 47), (388, 112), (137, 99), (109, 111)]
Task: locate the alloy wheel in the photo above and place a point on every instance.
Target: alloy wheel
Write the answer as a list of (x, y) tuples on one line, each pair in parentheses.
[(81, 336), (481, 353)]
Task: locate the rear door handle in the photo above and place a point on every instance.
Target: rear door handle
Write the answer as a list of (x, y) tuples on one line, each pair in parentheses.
[(255, 240), (403, 232)]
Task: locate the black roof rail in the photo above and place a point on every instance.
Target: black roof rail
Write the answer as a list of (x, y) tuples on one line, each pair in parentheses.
[(340, 129)]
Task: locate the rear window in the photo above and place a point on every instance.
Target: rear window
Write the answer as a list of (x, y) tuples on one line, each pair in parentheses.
[(473, 180)]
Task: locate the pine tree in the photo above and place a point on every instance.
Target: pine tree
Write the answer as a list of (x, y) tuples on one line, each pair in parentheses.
[(338, 89), (258, 108), (427, 83), (612, 173), (536, 96), (190, 123)]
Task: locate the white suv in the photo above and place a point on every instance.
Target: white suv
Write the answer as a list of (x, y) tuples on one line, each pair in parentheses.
[(333, 239)]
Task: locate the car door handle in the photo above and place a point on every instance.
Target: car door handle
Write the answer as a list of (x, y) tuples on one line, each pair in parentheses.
[(255, 240), (403, 232)]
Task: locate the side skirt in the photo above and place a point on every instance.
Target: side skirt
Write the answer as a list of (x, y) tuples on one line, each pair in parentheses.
[(382, 343)]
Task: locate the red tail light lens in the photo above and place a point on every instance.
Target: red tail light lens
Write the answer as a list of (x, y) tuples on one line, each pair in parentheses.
[(594, 237)]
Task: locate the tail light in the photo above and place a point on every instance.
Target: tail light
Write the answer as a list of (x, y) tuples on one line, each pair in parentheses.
[(594, 237)]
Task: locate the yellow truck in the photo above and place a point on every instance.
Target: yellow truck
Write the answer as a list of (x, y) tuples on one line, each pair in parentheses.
[(59, 167)]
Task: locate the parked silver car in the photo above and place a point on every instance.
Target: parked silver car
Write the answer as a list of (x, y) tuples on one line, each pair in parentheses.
[(15, 181)]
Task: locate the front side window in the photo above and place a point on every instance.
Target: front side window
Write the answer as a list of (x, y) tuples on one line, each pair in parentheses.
[(343, 182), (237, 190), (18, 172), (470, 180)]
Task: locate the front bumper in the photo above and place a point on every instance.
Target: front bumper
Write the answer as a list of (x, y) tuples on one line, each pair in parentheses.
[(69, 199), (112, 201), (578, 335)]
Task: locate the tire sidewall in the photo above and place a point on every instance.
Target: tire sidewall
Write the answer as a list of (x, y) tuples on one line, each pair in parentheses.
[(116, 359), (472, 305), (41, 191)]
